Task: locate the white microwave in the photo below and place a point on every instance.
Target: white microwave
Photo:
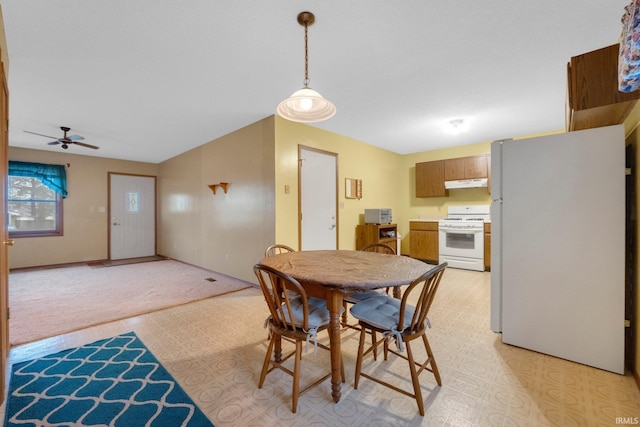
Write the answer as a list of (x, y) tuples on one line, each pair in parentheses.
[(377, 216)]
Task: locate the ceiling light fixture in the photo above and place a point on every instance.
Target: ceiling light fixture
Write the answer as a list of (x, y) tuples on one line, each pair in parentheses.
[(458, 125), (306, 105)]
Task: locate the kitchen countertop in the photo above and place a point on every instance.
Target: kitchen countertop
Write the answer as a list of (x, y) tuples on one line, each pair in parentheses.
[(435, 219), (428, 218)]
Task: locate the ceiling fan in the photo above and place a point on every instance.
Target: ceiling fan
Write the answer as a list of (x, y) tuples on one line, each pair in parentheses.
[(66, 140)]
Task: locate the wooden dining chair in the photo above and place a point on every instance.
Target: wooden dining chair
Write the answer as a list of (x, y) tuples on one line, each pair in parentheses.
[(277, 249), (398, 320), (361, 296), (293, 316)]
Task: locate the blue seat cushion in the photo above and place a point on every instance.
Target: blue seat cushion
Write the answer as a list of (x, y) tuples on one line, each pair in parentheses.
[(318, 313), (361, 296), (383, 312)]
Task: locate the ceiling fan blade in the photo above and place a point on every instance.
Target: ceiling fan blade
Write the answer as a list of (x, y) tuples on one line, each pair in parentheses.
[(75, 138), (46, 136), (85, 145), (53, 143)]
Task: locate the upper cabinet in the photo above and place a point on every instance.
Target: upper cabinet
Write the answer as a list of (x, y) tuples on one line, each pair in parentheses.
[(430, 176), (466, 168), (430, 179), (593, 98)]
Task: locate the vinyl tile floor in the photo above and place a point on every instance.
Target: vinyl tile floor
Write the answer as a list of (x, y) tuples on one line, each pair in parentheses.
[(215, 347)]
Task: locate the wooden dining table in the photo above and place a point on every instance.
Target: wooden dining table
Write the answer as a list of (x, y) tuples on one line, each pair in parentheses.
[(334, 274)]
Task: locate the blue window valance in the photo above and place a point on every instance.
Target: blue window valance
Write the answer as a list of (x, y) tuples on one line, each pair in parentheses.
[(53, 176)]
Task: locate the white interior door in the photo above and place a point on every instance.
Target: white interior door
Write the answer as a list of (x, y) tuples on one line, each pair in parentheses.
[(132, 214), (318, 199)]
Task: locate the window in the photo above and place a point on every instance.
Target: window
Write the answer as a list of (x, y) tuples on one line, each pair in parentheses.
[(35, 194)]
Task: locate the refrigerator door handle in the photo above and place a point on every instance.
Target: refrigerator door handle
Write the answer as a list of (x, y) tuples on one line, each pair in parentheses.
[(497, 200)]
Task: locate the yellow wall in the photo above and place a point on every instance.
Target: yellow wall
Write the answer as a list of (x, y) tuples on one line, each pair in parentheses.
[(377, 168), (223, 232), (436, 207), (85, 228)]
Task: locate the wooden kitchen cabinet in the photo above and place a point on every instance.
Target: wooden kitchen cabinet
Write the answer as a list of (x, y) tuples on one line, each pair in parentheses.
[(423, 240), (487, 246), (430, 179), (466, 168), (367, 234), (593, 98)]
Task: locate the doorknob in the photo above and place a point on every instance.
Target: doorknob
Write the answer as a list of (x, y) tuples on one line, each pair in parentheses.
[(332, 227), (9, 242)]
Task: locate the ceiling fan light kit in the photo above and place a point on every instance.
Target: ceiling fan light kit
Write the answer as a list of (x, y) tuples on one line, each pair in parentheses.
[(65, 140), (306, 105)]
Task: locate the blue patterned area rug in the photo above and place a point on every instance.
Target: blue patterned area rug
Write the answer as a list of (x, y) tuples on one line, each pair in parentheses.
[(111, 382)]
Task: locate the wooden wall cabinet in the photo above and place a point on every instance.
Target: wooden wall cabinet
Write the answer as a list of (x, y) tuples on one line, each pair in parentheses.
[(430, 179), (368, 234), (430, 176), (487, 246), (423, 240), (466, 168), (593, 98)]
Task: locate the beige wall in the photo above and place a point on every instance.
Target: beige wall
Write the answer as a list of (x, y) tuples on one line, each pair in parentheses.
[(223, 232), (85, 228), (378, 169)]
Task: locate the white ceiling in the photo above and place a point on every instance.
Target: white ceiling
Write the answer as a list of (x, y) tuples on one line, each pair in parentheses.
[(149, 79)]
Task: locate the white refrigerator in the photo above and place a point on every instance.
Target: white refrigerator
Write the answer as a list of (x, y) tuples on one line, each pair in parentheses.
[(558, 245)]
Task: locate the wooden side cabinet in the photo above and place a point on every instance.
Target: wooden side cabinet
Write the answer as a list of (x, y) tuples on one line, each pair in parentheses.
[(430, 179), (368, 234), (423, 240), (487, 246), (593, 98)]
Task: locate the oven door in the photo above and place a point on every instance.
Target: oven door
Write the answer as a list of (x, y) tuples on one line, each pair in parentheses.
[(462, 247)]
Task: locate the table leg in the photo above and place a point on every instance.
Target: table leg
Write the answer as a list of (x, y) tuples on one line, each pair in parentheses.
[(334, 304)]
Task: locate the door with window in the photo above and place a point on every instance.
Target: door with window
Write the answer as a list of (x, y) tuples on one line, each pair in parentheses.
[(318, 174), (132, 216)]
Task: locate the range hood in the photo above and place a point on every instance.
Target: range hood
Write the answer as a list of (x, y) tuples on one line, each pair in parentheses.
[(466, 183)]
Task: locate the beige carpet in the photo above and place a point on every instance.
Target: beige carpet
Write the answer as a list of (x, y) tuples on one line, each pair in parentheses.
[(49, 302)]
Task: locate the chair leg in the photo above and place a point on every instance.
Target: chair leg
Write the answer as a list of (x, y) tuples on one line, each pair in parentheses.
[(296, 377), (277, 353), (374, 340), (414, 379), (267, 361), (386, 349), (432, 360), (363, 334)]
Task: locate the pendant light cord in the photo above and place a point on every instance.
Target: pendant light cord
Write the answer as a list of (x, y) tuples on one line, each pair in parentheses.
[(306, 55)]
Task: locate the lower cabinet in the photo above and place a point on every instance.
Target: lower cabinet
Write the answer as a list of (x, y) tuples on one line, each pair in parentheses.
[(423, 240)]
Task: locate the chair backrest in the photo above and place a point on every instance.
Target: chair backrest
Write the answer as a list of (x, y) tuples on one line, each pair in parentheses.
[(427, 285), (380, 248), (277, 249), (275, 286)]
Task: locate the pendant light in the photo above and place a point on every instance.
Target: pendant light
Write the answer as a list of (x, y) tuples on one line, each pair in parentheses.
[(306, 105)]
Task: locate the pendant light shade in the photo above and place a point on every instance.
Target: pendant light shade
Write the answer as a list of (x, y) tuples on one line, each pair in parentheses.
[(306, 105)]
